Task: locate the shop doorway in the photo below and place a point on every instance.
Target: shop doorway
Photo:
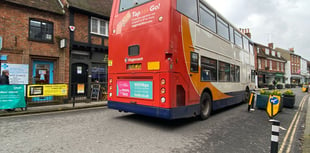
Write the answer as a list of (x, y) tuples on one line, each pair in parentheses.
[(79, 79), (43, 73)]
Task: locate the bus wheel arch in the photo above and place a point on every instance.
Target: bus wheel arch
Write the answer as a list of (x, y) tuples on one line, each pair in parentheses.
[(205, 104)]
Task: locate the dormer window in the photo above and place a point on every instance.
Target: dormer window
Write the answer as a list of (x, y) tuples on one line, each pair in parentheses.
[(279, 54), (273, 53)]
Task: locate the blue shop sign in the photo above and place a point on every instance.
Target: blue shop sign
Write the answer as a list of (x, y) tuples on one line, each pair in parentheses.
[(3, 57), (0, 42)]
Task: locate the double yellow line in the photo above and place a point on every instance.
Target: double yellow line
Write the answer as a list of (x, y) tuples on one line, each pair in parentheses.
[(288, 139)]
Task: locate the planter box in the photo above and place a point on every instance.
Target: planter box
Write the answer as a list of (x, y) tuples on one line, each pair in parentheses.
[(261, 101), (289, 101)]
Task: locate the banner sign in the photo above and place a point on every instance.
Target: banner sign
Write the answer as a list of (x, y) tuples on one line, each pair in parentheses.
[(18, 72), (273, 105), (47, 90), (12, 96), (135, 89)]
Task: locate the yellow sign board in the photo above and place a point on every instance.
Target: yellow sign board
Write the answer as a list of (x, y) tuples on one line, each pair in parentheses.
[(273, 105), (153, 65), (45, 90)]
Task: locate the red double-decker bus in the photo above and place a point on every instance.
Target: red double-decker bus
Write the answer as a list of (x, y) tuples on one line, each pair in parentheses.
[(175, 59)]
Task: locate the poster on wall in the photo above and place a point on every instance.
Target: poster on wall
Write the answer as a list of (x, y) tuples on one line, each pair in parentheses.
[(18, 73)]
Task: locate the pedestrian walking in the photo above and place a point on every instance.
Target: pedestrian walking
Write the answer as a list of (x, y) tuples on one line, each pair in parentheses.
[(4, 79)]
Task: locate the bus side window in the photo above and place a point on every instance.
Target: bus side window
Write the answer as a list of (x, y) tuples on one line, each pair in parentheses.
[(208, 69), (194, 62), (188, 8)]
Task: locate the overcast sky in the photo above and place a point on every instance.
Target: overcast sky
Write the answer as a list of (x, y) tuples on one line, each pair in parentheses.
[(286, 23)]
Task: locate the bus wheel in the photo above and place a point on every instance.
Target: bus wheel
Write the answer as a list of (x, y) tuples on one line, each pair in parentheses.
[(205, 106)]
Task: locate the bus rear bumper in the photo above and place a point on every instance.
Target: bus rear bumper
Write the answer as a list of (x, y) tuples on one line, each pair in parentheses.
[(172, 113)]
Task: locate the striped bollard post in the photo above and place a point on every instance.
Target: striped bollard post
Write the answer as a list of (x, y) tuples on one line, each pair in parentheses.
[(275, 136)]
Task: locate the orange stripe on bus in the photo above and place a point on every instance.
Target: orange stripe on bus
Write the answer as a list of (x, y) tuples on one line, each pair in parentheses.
[(195, 77)]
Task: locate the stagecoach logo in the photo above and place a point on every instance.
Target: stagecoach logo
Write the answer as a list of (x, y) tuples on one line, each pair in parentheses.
[(133, 59)]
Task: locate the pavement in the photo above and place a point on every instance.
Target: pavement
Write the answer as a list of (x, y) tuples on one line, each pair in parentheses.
[(306, 145), (53, 108)]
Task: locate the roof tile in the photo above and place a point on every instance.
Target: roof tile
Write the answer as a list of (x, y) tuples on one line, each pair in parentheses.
[(101, 7), (45, 5)]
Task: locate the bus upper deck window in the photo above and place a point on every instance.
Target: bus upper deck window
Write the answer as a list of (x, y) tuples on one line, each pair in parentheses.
[(128, 4)]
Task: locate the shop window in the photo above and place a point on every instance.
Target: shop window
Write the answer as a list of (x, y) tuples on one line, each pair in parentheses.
[(99, 73)]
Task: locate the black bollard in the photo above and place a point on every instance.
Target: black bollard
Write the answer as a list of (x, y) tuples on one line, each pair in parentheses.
[(275, 136)]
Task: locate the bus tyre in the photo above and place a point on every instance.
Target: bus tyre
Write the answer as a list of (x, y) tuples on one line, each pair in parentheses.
[(205, 106)]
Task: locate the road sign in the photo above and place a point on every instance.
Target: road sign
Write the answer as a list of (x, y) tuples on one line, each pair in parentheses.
[(273, 105)]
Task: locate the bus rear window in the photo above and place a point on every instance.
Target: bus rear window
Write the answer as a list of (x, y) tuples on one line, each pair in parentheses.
[(128, 4)]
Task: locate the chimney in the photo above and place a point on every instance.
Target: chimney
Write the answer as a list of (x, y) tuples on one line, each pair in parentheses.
[(246, 32), (270, 45), (291, 50)]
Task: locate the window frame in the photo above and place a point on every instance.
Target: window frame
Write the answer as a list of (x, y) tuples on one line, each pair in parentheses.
[(194, 63), (51, 24), (231, 34), (211, 14), (226, 78), (220, 23), (238, 36), (119, 7), (237, 71), (196, 18), (99, 26), (204, 66)]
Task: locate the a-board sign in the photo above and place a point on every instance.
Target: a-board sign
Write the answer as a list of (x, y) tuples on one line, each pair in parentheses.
[(95, 90)]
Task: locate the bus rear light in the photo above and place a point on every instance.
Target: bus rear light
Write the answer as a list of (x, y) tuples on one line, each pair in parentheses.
[(110, 81), (110, 87), (163, 99), (163, 81), (110, 94), (163, 90)]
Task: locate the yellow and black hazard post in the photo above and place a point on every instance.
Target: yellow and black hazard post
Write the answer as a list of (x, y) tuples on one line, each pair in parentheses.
[(252, 101), (273, 106)]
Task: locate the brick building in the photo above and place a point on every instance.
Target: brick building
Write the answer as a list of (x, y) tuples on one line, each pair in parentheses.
[(31, 32), (89, 22), (270, 65), (295, 67)]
